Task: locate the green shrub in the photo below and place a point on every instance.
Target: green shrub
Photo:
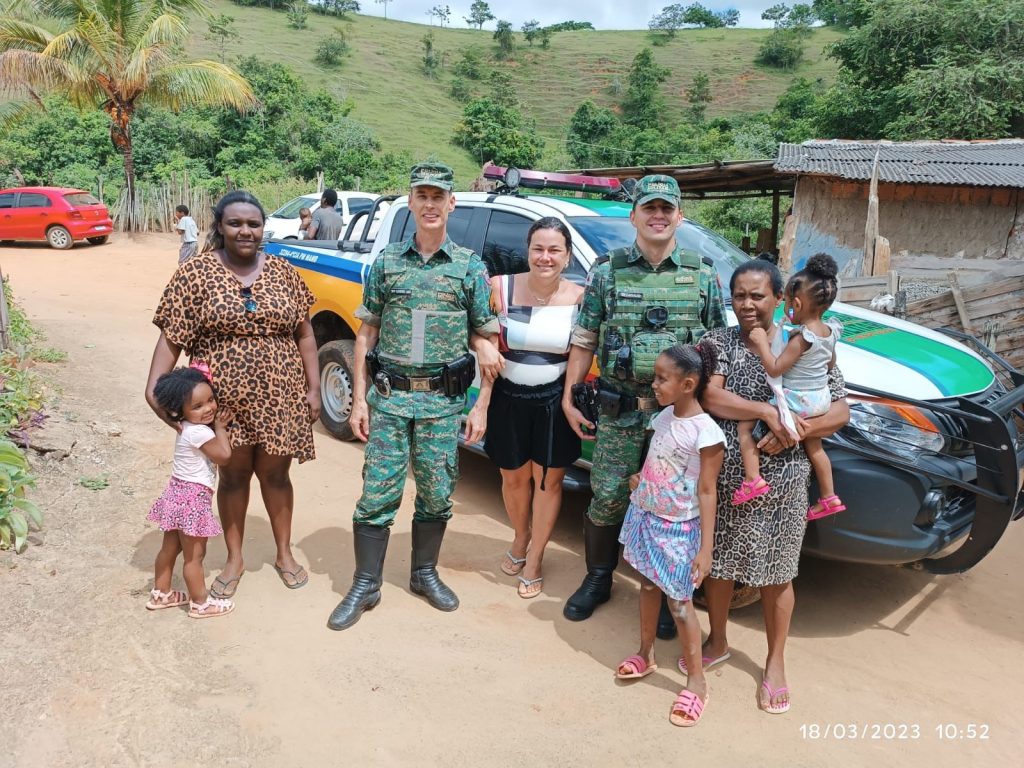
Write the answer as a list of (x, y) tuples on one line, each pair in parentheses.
[(17, 513), (331, 50)]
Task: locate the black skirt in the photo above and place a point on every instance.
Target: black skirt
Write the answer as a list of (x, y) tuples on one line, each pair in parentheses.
[(527, 424)]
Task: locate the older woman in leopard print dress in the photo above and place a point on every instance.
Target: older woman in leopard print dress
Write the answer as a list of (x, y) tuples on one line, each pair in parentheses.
[(246, 314), (758, 543)]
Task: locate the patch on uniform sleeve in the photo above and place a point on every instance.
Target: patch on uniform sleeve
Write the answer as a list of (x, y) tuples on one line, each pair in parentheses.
[(401, 293), (448, 296), (684, 279)]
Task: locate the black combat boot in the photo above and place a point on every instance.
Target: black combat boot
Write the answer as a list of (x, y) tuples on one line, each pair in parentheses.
[(666, 624), (426, 545), (601, 543), (371, 544)]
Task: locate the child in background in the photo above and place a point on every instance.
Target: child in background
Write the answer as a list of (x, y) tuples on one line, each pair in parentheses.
[(186, 225), (803, 365), (184, 510), (305, 217), (669, 528)]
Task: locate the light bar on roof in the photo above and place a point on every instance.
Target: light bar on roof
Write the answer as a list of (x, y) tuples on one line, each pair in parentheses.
[(570, 182)]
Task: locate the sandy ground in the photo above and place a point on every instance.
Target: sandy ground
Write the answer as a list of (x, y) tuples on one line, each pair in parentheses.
[(90, 678)]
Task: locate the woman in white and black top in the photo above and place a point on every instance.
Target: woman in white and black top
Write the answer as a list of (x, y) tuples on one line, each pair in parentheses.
[(527, 434)]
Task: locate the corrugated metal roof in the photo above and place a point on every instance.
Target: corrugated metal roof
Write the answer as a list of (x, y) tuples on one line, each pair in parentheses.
[(982, 164)]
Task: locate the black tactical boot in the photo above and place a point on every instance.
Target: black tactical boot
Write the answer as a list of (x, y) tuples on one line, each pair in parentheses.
[(601, 543), (371, 544), (426, 545), (666, 624)]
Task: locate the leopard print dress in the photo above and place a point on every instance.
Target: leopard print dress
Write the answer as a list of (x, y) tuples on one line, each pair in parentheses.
[(758, 543), (253, 357)]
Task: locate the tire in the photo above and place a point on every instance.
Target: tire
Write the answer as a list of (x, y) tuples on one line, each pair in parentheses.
[(336, 375), (742, 596), (98, 240), (59, 238)]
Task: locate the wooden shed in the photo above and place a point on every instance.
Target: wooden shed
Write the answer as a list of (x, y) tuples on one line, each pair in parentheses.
[(942, 205)]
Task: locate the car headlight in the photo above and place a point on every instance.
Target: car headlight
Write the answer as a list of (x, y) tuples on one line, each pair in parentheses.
[(894, 427)]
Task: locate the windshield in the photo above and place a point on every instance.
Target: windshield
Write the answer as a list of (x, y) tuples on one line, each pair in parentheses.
[(81, 198), (603, 233), (291, 210)]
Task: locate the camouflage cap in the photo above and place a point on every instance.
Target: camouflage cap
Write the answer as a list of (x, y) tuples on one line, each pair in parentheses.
[(432, 175), (657, 187)]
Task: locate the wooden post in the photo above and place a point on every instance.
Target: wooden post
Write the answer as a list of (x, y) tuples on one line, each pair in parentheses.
[(788, 240), (880, 265), (5, 339), (775, 220), (961, 307), (871, 227)]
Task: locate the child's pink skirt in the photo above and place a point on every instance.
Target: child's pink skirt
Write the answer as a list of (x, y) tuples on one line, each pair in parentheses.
[(186, 507)]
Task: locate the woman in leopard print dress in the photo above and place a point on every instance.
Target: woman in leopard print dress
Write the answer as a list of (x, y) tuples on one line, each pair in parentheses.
[(758, 542), (246, 314)]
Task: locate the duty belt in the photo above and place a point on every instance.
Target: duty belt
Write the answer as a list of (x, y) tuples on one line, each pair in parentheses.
[(614, 404), (385, 381)]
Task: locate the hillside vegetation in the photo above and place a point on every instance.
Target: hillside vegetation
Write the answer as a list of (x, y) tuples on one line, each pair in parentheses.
[(383, 73)]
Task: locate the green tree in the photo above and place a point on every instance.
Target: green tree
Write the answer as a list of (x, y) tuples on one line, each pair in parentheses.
[(471, 64), (117, 57), (479, 14), (589, 127), (840, 13), (506, 40), (699, 96), (331, 49), (297, 14), (460, 90), (503, 92), (221, 29), (385, 4), (531, 31), (431, 61), (668, 22), (544, 35), (784, 47), (442, 13), (644, 105), (497, 132), (915, 69)]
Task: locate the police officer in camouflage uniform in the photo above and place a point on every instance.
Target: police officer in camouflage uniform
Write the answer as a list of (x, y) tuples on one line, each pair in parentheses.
[(639, 301), (421, 300)]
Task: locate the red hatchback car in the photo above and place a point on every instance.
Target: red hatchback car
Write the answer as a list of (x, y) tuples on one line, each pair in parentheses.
[(58, 215)]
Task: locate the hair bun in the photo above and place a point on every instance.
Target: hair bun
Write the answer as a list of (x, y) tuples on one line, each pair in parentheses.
[(822, 265)]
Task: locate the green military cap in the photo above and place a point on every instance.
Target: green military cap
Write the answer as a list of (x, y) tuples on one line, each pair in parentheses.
[(432, 175), (657, 187)]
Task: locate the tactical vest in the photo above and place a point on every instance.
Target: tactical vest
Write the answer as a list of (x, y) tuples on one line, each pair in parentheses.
[(425, 322), (632, 293)]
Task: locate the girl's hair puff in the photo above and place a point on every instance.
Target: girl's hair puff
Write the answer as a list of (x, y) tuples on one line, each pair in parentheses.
[(215, 240), (819, 278), (696, 359), (173, 390)]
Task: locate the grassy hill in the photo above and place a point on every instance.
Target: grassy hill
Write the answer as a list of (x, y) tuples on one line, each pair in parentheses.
[(408, 110)]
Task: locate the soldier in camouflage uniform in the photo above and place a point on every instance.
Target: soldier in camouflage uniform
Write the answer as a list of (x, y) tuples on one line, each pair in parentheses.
[(638, 301), (420, 300)]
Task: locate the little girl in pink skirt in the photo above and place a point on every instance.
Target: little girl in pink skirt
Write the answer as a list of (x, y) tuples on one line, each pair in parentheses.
[(184, 510)]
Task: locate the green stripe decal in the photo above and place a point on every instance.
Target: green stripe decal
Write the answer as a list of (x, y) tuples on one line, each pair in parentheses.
[(952, 371)]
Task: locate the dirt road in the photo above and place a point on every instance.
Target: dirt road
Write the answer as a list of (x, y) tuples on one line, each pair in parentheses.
[(90, 678)]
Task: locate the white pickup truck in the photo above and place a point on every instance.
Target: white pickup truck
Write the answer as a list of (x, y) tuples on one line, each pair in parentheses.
[(930, 465)]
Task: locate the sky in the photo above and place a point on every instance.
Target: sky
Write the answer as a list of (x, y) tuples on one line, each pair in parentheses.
[(603, 14)]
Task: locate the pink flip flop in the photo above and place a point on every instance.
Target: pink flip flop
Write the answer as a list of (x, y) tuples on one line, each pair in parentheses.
[(707, 661), (827, 505), (772, 693), (749, 490), (687, 709), (639, 666)]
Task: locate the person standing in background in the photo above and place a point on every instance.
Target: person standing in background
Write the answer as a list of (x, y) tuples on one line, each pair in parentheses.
[(326, 223), (186, 226)]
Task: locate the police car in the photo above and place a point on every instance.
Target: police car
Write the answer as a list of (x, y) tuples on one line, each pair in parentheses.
[(930, 465)]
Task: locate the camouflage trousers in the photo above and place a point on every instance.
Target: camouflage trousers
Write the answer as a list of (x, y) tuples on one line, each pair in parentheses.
[(431, 445), (617, 452)]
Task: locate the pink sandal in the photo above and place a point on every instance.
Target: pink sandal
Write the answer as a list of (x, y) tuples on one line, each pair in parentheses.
[(750, 489), (827, 505), (213, 607), (159, 600), (639, 666), (687, 709)]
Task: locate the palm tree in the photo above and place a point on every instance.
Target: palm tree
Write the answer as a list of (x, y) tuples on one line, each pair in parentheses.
[(113, 54)]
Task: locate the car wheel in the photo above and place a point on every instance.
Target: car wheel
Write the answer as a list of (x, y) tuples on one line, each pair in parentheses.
[(336, 375), (98, 240), (59, 238)]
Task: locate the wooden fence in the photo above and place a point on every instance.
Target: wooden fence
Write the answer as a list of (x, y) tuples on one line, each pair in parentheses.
[(153, 209)]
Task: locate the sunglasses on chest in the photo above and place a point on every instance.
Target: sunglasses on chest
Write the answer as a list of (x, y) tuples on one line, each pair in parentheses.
[(248, 301)]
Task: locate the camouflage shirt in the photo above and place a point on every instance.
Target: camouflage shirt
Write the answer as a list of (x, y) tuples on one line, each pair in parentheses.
[(597, 299), (475, 298)]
